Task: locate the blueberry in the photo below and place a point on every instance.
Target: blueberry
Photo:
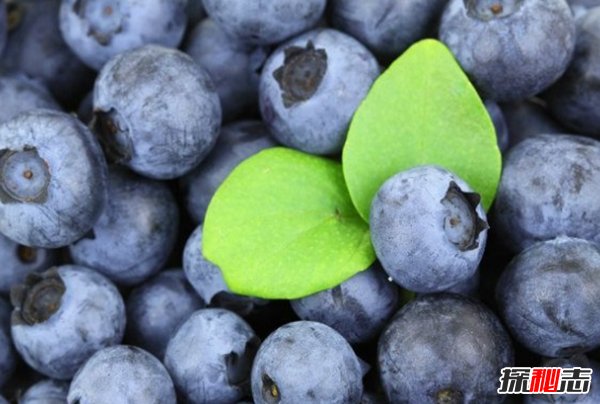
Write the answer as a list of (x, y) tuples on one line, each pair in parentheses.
[(122, 374), (234, 66), (63, 316), (581, 361), (21, 94), (136, 232), (306, 362), (46, 392), (357, 308), (207, 279), (575, 97), (19, 260), (51, 192), (157, 307), (203, 275), (499, 122), (236, 142), (36, 47), (8, 357), (387, 27), (511, 49), (210, 356), (549, 187), (529, 118), (265, 22), (549, 297), (97, 30), (428, 229), (297, 83), (156, 111), (443, 348)]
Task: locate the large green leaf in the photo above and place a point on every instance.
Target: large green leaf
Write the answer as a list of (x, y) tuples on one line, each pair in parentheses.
[(421, 110), (282, 226)]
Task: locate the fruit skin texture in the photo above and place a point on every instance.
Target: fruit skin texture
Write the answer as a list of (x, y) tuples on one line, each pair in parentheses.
[(210, 356), (136, 232), (207, 279), (157, 307), (581, 7), (565, 321), (89, 317), (157, 111), (264, 22), (76, 192), (549, 187), (36, 47), (428, 229), (119, 375), (236, 142), (47, 391), (443, 346), (233, 65), (357, 308), (300, 112), (574, 99), (514, 54), (203, 275), (8, 356), (21, 94), (304, 362), (98, 30), (18, 261), (386, 27)]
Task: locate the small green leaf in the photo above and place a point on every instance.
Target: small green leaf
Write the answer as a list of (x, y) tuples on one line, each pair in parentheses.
[(421, 110), (282, 226)]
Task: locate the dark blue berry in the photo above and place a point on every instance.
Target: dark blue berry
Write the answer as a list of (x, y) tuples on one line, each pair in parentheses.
[(51, 192), (63, 316)]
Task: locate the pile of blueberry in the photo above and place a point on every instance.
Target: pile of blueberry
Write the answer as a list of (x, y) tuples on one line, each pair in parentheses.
[(119, 119)]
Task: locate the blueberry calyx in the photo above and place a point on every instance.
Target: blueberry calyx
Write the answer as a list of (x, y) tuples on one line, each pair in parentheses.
[(486, 10), (239, 366), (462, 224), (103, 20), (270, 391), (449, 396), (38, 298), (301, 74), (24, 176), (26, 254), (113, 134)]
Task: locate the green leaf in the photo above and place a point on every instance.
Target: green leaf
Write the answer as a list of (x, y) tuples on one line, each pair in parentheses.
[(421, 110), (282, 226)]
